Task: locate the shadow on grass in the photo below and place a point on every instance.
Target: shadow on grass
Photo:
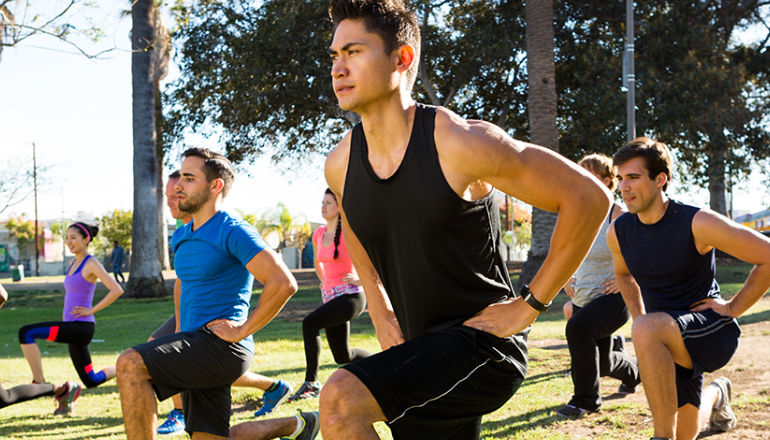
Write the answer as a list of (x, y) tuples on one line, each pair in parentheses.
[(542, 417), (754, 317), (36, 426), (531, 380)]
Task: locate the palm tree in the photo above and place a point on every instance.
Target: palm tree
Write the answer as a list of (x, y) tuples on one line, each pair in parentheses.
[(146, 279), (542, 117)]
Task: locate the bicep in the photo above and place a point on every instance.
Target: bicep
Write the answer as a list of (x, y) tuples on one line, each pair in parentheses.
[(95, 269), (713, 230)]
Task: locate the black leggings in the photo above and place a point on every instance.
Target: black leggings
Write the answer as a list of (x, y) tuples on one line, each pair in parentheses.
[(76, 334), (589, 337), (335, 317), (22, 393)]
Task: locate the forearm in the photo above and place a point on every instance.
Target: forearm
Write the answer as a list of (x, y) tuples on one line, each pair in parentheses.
[(177, 301), (632, 295), (108, 299), (274, 296), (576, 228), (3, 295), (757, 283)]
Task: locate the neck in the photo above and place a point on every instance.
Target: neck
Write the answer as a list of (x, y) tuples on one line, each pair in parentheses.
[(79, 256), (657, 209), (186, 219), (202, 215), (331, 225), (388, 123)]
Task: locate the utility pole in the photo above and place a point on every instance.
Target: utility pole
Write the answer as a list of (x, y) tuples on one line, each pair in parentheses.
[(37, 235), (629, 80)]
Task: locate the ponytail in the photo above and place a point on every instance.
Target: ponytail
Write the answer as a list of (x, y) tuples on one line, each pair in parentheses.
[(337, 234)]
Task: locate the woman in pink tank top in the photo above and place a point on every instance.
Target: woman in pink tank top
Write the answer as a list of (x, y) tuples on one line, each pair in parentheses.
[(77, 325), (342, 295)]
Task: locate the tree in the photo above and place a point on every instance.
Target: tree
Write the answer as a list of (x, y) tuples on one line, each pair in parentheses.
[(258, 78), (541, 78), (116, 226), (55, 20), (23, 230), (698, 90), (15, 186), (146, 279), (291, 229)]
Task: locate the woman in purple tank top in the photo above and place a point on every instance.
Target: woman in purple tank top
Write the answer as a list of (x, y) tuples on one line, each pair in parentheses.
[(77, 325)]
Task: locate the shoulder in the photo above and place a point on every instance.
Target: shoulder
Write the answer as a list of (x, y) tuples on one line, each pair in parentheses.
[(337, 164), (318, 233), (617, 211), (466, 135)]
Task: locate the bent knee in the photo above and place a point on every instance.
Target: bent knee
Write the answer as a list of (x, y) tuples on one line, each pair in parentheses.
[(653, 327), (130, 360), (343, 393)]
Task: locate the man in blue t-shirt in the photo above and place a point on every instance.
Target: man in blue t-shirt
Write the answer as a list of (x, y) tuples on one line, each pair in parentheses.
[(217, 258), (663, 253)]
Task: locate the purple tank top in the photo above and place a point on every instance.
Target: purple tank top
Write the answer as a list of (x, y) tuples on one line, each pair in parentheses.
[(77, 292)]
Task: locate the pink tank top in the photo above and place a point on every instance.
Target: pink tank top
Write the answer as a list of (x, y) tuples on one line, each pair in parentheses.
[(333, 270), (77, 292)]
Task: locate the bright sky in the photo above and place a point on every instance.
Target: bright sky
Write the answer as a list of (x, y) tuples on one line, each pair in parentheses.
[(78, 113)]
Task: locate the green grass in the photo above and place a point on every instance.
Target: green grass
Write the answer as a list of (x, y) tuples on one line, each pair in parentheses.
[(279, 353)]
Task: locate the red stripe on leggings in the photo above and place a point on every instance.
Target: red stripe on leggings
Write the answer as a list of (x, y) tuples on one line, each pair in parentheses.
[(89, 368), (53, 333)]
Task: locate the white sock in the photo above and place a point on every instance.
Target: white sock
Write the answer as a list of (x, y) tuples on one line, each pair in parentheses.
[(300, 427)]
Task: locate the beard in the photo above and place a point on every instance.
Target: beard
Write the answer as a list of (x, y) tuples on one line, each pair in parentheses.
[(193, 202)]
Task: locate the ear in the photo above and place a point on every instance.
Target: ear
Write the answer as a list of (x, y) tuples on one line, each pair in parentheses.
[(218, 185), (405, 58), (661, 180)]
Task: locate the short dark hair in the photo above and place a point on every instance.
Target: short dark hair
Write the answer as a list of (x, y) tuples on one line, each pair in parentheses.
[(174, 175), (394, 21), (601, 165), (215, 166), (656, 155)]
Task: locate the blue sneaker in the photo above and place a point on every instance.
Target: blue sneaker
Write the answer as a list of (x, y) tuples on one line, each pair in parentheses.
[(271, 399), (174, 423)]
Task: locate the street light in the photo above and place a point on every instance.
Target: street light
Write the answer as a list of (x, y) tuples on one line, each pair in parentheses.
[(629, 80)]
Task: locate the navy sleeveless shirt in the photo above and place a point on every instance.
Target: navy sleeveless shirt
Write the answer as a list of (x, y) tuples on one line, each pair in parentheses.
[(663, 259), (438, 255)]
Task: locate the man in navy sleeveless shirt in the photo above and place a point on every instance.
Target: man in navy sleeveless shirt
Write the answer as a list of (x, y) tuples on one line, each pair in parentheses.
[(422, 227), (663, 253)]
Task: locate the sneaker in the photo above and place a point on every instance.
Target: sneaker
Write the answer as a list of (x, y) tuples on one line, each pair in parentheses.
[(722, 416), (571, 412), (308, 390), (271, 399), (310, 426), (174, 423), (67, 400), (618, 343)]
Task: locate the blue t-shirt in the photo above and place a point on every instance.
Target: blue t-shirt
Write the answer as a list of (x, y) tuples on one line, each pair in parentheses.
[(210, 261)]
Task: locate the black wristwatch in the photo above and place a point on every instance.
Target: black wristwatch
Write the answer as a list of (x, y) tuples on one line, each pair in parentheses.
[(532, 301)]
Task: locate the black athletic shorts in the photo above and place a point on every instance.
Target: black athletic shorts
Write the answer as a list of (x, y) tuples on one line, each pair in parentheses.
[(438, 386), (165, 329), (200, 366), (711, 341)]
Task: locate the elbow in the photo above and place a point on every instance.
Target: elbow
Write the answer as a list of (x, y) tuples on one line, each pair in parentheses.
[(288, 286)]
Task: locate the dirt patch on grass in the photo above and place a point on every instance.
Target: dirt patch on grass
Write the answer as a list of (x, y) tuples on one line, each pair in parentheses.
[(629, 417)]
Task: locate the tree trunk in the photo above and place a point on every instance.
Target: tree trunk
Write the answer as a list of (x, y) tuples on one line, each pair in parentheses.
[(165, 262), (717, 188), (146, 279), (541, 102)]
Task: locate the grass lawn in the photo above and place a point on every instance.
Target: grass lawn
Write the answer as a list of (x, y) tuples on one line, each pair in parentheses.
[(279, 353)]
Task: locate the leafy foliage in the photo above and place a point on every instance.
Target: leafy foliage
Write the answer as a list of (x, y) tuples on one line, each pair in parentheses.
[(257, 79)]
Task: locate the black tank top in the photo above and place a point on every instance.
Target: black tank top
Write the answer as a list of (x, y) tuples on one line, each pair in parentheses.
[(437, 254), (663, 259)]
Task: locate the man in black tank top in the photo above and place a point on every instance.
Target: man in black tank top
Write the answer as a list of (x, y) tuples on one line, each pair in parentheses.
[(663, 253), (422, 227)]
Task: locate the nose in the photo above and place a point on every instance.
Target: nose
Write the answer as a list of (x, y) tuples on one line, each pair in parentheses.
[(339, 70)]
